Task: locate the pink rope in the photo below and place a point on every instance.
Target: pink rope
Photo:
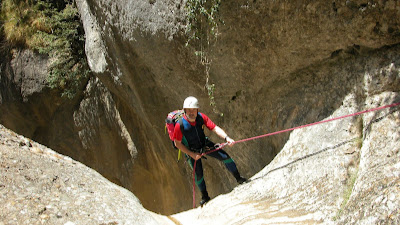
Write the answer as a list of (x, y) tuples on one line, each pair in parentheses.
[(324, 121), (194, 190), (283, 131)]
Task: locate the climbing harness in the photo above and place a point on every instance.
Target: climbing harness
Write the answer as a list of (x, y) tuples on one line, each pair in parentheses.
[(283, 131)]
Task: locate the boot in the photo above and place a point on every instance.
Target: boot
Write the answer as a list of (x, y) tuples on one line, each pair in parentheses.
[(204, 198), (239, 178)]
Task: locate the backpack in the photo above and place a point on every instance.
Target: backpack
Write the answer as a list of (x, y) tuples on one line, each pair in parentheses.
[(170, 121)]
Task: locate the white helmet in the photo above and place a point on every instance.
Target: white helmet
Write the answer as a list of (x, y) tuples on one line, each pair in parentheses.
[(191, 103)]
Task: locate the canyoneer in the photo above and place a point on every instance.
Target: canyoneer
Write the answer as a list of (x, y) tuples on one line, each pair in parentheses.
[(189, 137)]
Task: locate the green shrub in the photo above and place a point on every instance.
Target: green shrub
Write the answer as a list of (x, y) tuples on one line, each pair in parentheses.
[(52, 28), (347, 193), (202, 20)]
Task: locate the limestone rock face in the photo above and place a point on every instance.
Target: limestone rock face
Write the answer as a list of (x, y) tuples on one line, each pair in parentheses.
[(340, 172), (274, 65), (38, 185)]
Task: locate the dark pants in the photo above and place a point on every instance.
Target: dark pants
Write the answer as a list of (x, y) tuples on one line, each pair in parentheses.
[(221, 155)]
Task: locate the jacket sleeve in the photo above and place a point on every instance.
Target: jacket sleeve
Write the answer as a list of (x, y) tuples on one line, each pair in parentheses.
[(207, 122)]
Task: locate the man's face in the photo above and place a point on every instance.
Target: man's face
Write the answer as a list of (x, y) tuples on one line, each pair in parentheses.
[(191, 114)]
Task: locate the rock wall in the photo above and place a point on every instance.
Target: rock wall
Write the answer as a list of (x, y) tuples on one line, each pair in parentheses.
[(29, 107), (39, 185), (342, 172), (88, 128), (275, 65)]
